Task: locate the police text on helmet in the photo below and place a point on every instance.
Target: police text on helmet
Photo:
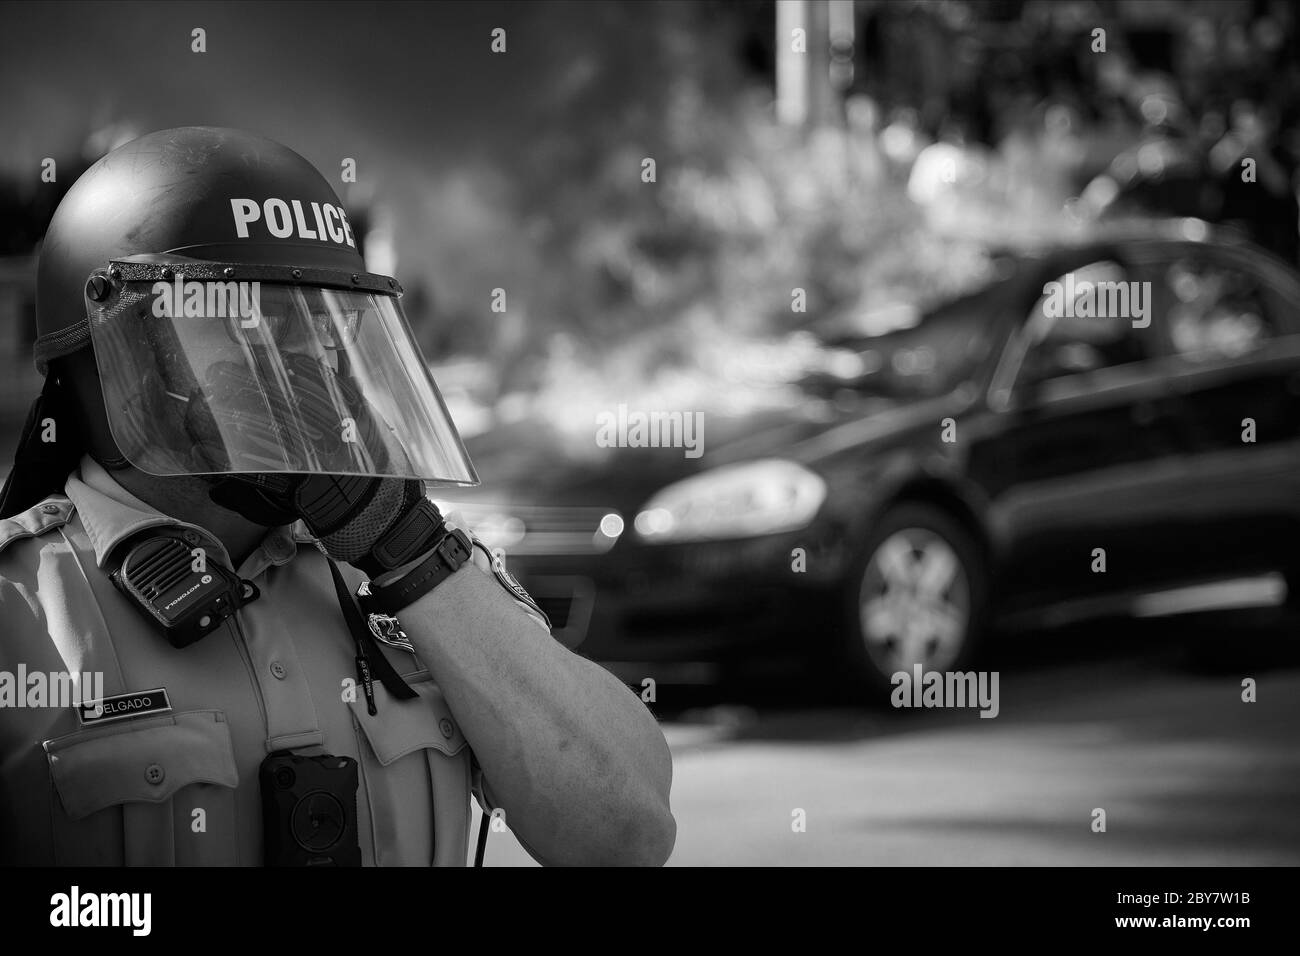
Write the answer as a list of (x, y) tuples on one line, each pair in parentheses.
[(282, 220)]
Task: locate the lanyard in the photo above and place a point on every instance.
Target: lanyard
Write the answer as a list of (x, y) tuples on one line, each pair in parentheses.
[(371, 661)]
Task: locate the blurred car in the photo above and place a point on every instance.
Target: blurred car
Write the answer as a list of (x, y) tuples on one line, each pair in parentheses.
[(995, 463)]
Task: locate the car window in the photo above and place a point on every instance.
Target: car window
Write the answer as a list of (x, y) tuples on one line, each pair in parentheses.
[(947, 348), (1217, 310), (1091, 318)]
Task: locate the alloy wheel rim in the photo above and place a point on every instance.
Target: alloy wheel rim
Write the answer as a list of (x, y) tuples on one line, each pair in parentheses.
[(914, 603)]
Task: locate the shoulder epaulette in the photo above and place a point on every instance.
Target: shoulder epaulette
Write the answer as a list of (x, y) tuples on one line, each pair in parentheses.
[(53, 512)]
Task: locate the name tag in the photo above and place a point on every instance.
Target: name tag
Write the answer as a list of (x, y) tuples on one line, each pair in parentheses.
[(137, 704)]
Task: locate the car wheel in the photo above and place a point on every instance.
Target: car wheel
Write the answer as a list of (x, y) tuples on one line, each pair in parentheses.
[(916, 596)]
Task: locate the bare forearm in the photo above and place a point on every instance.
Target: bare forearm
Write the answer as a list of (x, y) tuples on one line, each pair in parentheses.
[(575, 760)]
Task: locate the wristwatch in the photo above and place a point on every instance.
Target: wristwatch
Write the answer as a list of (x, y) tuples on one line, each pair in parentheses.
[(383, 601)]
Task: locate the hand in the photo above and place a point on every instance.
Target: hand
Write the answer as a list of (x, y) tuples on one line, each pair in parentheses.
[(299, 416), (374, 523), (353, 515)]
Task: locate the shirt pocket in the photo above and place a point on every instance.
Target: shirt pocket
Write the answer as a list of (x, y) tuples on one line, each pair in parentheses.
[(156, 791), (415, 775)]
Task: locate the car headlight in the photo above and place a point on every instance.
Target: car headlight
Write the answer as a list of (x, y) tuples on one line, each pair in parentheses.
[(734, 501)]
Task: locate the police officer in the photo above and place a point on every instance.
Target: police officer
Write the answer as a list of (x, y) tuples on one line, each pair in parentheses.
[(217, 535)]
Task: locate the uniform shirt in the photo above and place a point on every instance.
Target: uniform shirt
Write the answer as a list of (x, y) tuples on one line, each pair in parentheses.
[(181, 787)]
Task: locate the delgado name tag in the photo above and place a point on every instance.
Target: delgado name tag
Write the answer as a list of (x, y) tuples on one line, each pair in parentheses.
[(136, 704)]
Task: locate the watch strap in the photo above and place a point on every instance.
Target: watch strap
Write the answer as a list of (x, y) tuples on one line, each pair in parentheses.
[(443, 561)]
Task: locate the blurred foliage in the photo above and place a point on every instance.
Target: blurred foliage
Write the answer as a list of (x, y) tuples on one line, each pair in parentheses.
[(621, 288), (523, 172), (640, 278)]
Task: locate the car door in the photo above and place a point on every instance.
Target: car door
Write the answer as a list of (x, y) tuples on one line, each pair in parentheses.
[(1233, 317), (1083, 440)]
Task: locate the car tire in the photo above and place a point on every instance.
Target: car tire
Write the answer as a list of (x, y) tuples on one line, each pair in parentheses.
[(917, 593)]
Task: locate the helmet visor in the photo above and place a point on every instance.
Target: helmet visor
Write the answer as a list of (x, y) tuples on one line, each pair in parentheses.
[(203, 376)]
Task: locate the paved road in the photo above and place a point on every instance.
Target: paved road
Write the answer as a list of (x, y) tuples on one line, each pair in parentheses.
[(1119, 717)]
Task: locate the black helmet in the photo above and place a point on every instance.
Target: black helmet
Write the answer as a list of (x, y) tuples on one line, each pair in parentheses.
[(199, 192), (307, 367)]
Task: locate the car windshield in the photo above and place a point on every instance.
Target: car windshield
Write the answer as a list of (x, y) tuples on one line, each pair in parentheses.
[(948, 346)]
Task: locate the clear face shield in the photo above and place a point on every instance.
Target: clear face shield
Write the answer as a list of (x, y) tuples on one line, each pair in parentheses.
[(220, 369)]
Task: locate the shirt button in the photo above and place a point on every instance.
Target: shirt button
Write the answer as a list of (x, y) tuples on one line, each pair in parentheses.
[(278, 670), (447, 727), (154, 773), (50, 509)]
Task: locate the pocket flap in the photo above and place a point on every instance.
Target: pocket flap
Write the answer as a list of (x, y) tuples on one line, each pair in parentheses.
[(141, 761), (404, 726)]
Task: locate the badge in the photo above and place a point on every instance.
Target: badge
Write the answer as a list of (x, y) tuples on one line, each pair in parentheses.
[(138, 704)]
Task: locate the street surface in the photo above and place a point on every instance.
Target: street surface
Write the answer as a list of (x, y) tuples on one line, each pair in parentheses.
[(1127, 717)]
